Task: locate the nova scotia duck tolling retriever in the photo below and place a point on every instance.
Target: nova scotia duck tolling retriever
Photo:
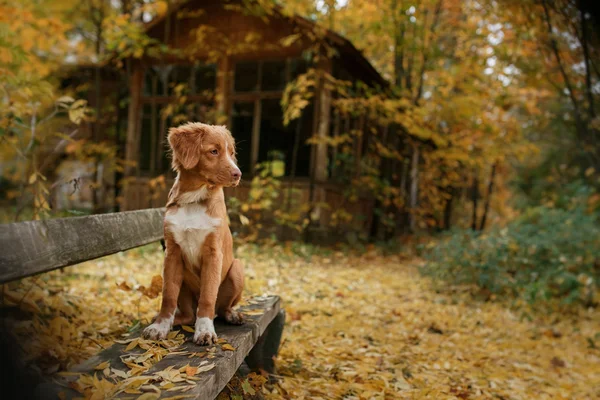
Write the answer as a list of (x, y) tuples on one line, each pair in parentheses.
[(200, 277)]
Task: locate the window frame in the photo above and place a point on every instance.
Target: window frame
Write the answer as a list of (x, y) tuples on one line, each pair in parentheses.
[(256, 96), (158, 132)]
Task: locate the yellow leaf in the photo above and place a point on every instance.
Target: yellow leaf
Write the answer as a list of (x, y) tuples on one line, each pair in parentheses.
[(289, 40), (102, 366), (132, 345), (205, 368), (32, 178), (65, 99), (119, 373), (589, 171), (227, 346), (149, 396), (187, 328)]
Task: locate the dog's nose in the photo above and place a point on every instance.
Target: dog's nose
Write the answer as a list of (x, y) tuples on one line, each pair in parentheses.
[(236, 173)]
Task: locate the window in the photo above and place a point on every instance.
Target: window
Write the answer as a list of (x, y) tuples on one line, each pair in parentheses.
[(277, 139), (256, 117), (273, 75), (159, 95), (242, 120), (153, 139), (246, 76), (162, 80), (205, 78)]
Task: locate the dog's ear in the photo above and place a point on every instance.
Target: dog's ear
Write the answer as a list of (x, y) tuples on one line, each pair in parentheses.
[(186, 142)]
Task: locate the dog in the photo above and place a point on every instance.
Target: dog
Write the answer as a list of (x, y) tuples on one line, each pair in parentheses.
[(201, 278)]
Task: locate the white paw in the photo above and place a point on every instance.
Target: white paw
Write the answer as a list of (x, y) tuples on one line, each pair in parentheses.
[(205, 334), (158, 330)]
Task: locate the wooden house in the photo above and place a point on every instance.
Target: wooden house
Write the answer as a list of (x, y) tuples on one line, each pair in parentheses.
[(231, 65)]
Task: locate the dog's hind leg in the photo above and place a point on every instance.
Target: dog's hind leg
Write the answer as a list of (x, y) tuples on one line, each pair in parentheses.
[(230, 293)]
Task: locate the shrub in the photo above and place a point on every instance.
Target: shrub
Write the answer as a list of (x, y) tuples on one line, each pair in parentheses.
[(547, 253)]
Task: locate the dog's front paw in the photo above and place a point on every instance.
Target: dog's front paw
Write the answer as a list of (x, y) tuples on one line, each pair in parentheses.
[(205, 334), (157, 331), (234, 317)]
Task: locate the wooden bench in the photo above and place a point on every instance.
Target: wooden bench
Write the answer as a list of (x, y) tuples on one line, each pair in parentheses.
[(33, 247)]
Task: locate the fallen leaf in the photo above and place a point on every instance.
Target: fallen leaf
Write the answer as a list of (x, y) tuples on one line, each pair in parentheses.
[(187, 328), (247, 388), (149, 396), (557, 362), (124, 286), (102, 366)]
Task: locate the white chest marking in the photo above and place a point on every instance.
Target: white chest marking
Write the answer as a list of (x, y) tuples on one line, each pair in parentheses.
[(193, 197), (190, 225)]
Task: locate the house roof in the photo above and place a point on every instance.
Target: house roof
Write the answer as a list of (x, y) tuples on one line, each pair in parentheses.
[(344, 46)]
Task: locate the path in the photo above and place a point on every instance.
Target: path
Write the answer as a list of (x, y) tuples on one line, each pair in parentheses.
[(366, 327)]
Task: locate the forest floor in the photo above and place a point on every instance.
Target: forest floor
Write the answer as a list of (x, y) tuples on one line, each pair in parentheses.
[(358, 327)]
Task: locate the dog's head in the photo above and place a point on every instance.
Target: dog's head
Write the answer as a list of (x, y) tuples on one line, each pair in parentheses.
[(206, 150)]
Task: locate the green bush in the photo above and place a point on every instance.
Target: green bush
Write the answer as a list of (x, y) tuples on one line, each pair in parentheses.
[(547, 253)]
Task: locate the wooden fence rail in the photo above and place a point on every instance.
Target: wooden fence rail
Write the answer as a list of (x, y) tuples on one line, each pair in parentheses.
[(32, 247)]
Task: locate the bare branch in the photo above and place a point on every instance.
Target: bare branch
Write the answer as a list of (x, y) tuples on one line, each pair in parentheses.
[(436, 18), (563, 72), (586, 58)]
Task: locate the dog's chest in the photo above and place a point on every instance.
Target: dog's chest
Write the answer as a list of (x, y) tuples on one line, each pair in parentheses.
[(190, 225)]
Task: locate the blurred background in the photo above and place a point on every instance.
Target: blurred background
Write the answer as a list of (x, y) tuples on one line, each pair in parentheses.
[(429, 168), (356, 121)]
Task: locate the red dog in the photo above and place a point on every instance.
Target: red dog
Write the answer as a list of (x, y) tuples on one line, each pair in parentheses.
[(200, 275)]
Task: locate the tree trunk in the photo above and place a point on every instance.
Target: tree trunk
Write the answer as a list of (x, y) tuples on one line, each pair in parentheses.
[(398, 45), (414, 185), (474, 198), (448, 212), (486, 207)]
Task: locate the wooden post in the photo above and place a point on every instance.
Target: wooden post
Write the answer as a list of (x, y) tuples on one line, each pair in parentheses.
[(223, 85), (262, 354), (255, 135), (133, 122), (318, 173)]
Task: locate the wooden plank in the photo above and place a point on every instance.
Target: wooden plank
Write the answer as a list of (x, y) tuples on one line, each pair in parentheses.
[(33, 247), (210, 384)]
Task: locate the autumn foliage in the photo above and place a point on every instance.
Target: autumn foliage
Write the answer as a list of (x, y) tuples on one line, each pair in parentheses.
[(477, 276)]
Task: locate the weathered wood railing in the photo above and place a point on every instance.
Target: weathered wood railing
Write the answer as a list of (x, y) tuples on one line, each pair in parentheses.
[(33, 247)]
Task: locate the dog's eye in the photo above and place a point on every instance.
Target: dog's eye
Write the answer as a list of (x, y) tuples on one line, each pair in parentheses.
[(214, 152)]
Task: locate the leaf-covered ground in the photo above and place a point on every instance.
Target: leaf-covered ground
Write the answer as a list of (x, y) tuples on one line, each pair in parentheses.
[(358, 327)]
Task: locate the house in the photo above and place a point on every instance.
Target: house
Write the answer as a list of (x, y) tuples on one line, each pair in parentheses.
[(230, 65)]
